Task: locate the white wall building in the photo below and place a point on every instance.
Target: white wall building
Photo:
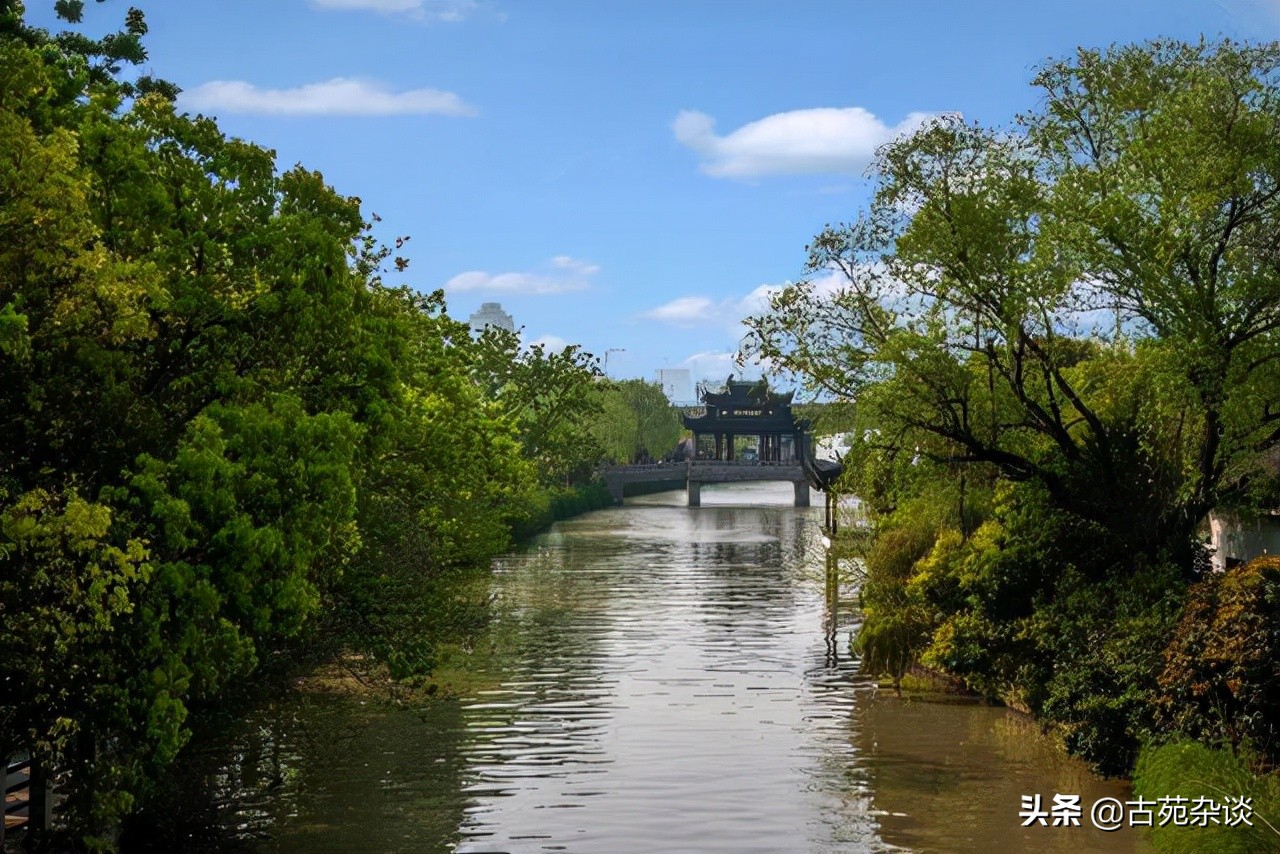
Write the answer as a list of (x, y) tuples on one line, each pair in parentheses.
[(677, 385), (1237, 540), (491, 314)]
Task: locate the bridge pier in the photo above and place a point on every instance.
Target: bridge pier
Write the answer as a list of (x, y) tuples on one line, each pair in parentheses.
[(802, 493), (695, 493)]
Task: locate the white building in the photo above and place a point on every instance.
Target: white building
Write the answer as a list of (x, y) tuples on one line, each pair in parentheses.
[(1236, 540), (677, 385), (491, 314)]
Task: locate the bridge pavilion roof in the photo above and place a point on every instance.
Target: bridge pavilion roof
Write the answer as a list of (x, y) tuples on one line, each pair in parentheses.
[(746, 394), (744, 408)]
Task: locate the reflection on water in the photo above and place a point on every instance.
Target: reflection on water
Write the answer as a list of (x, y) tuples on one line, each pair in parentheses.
[(670, 678), (681, 701), (949, 776)]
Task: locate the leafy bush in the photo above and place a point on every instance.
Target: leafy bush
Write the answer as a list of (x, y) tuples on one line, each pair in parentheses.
[(1037, 608), (890, 643), (554, 503), (896, 625), (1221, 676), (1104, 642), (220, 427)]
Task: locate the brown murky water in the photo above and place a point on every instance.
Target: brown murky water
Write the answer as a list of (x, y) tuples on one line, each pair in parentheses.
[(670, 679)]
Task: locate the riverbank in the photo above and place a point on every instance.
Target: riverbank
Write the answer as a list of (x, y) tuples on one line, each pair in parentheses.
[(458, 653), (457, 673), (1134, 667), (349, 666), (557, 503)]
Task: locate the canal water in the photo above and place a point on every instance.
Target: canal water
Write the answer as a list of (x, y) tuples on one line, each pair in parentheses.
[(666, 679)]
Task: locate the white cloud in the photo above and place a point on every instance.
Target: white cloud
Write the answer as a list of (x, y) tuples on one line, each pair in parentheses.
[(549, 343), (684, 311), (711, 365), (822, 140), (693, 311), (714, 366), (523, 283), (564, 274), (435, 10), (757, 301), (564, 262), (341, 96), (831, 280)]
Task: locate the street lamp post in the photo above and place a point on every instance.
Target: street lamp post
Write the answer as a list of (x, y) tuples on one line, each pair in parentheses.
[(606, 357)]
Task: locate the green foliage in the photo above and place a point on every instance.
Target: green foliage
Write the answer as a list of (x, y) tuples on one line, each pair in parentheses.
[(890, 643), (897, 623), (66, 589), (548, 397), (564, 502), (1065, 336), (829, 418), (1221, 676), (635, 417), (1143, 186), (1191, 770), (220, 433), (1103, 642), (1033, 608)]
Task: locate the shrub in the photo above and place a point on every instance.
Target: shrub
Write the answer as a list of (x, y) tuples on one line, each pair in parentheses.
[(890, 643), (1104, 639), (1221, 677), (896, 625), (555, 503)]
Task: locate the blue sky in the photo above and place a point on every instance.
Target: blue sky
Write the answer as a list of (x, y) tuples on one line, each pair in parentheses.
[(621, 175)]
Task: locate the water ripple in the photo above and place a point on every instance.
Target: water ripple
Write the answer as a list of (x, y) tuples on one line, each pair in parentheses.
[(667, 679), (718, 713)]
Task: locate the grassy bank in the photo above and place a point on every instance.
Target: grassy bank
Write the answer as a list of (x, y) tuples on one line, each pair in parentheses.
[(1190, 770), (556, 503)]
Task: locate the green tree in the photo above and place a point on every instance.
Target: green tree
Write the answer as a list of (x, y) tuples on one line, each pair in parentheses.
[(1088, 300), (216, 423), (635, 417), (445, 481), (178, 422), (1063, 338), (548, 397)]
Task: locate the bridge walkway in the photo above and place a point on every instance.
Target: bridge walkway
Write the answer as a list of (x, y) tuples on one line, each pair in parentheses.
[(695, 473)]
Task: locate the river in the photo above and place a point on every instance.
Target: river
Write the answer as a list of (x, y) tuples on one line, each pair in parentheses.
[(666, 679)]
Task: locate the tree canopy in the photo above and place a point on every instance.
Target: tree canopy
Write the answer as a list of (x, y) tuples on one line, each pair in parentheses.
[(219, 429), (1089, 299), (636, 418)]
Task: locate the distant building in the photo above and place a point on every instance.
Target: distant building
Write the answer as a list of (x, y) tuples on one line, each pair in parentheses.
[(491, 314), (1235, 540), (677, 385), (1238, 538)]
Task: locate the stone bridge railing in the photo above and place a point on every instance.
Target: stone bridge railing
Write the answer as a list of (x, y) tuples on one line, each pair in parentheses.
[(697, 472), (747, 463)]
